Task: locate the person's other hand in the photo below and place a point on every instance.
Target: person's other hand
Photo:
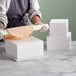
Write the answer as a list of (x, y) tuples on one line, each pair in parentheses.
[(35, 19), (1, 36), (1, 25)]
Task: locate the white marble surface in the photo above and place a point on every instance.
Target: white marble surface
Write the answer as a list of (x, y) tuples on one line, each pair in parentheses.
[(57, 63)]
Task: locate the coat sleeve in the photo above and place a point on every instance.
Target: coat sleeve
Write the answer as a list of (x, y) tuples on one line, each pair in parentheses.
[(4, 6), (34, 9)]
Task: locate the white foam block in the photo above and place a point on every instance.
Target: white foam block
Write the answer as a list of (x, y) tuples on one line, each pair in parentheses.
[(59, 27), (59, 43), (24, 49)]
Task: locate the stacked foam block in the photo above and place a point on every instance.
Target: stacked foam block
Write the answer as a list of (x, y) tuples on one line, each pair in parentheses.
[(24, 49), (59, 36)]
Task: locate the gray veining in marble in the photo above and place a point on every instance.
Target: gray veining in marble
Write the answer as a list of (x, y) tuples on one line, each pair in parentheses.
[(57, 63)]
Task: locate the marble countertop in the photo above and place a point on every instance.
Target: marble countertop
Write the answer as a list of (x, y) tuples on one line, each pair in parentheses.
[(57, 63)]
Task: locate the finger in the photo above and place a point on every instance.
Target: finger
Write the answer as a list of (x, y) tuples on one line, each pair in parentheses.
[(1, 36), (43, 29)]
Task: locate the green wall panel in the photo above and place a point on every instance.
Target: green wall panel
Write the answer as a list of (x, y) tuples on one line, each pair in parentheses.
[(58, 9)]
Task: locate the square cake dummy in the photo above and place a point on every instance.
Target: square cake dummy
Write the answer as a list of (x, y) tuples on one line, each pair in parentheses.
[(24, 49), (59, 27)]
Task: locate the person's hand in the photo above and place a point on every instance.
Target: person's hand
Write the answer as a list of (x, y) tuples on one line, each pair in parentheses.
[(44, 28), (1, 27), (35, 19), (1, 36), (41, 27)]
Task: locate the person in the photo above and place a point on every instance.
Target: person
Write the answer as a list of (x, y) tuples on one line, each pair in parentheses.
[(4, 6), (14, 13), (20, 11)]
